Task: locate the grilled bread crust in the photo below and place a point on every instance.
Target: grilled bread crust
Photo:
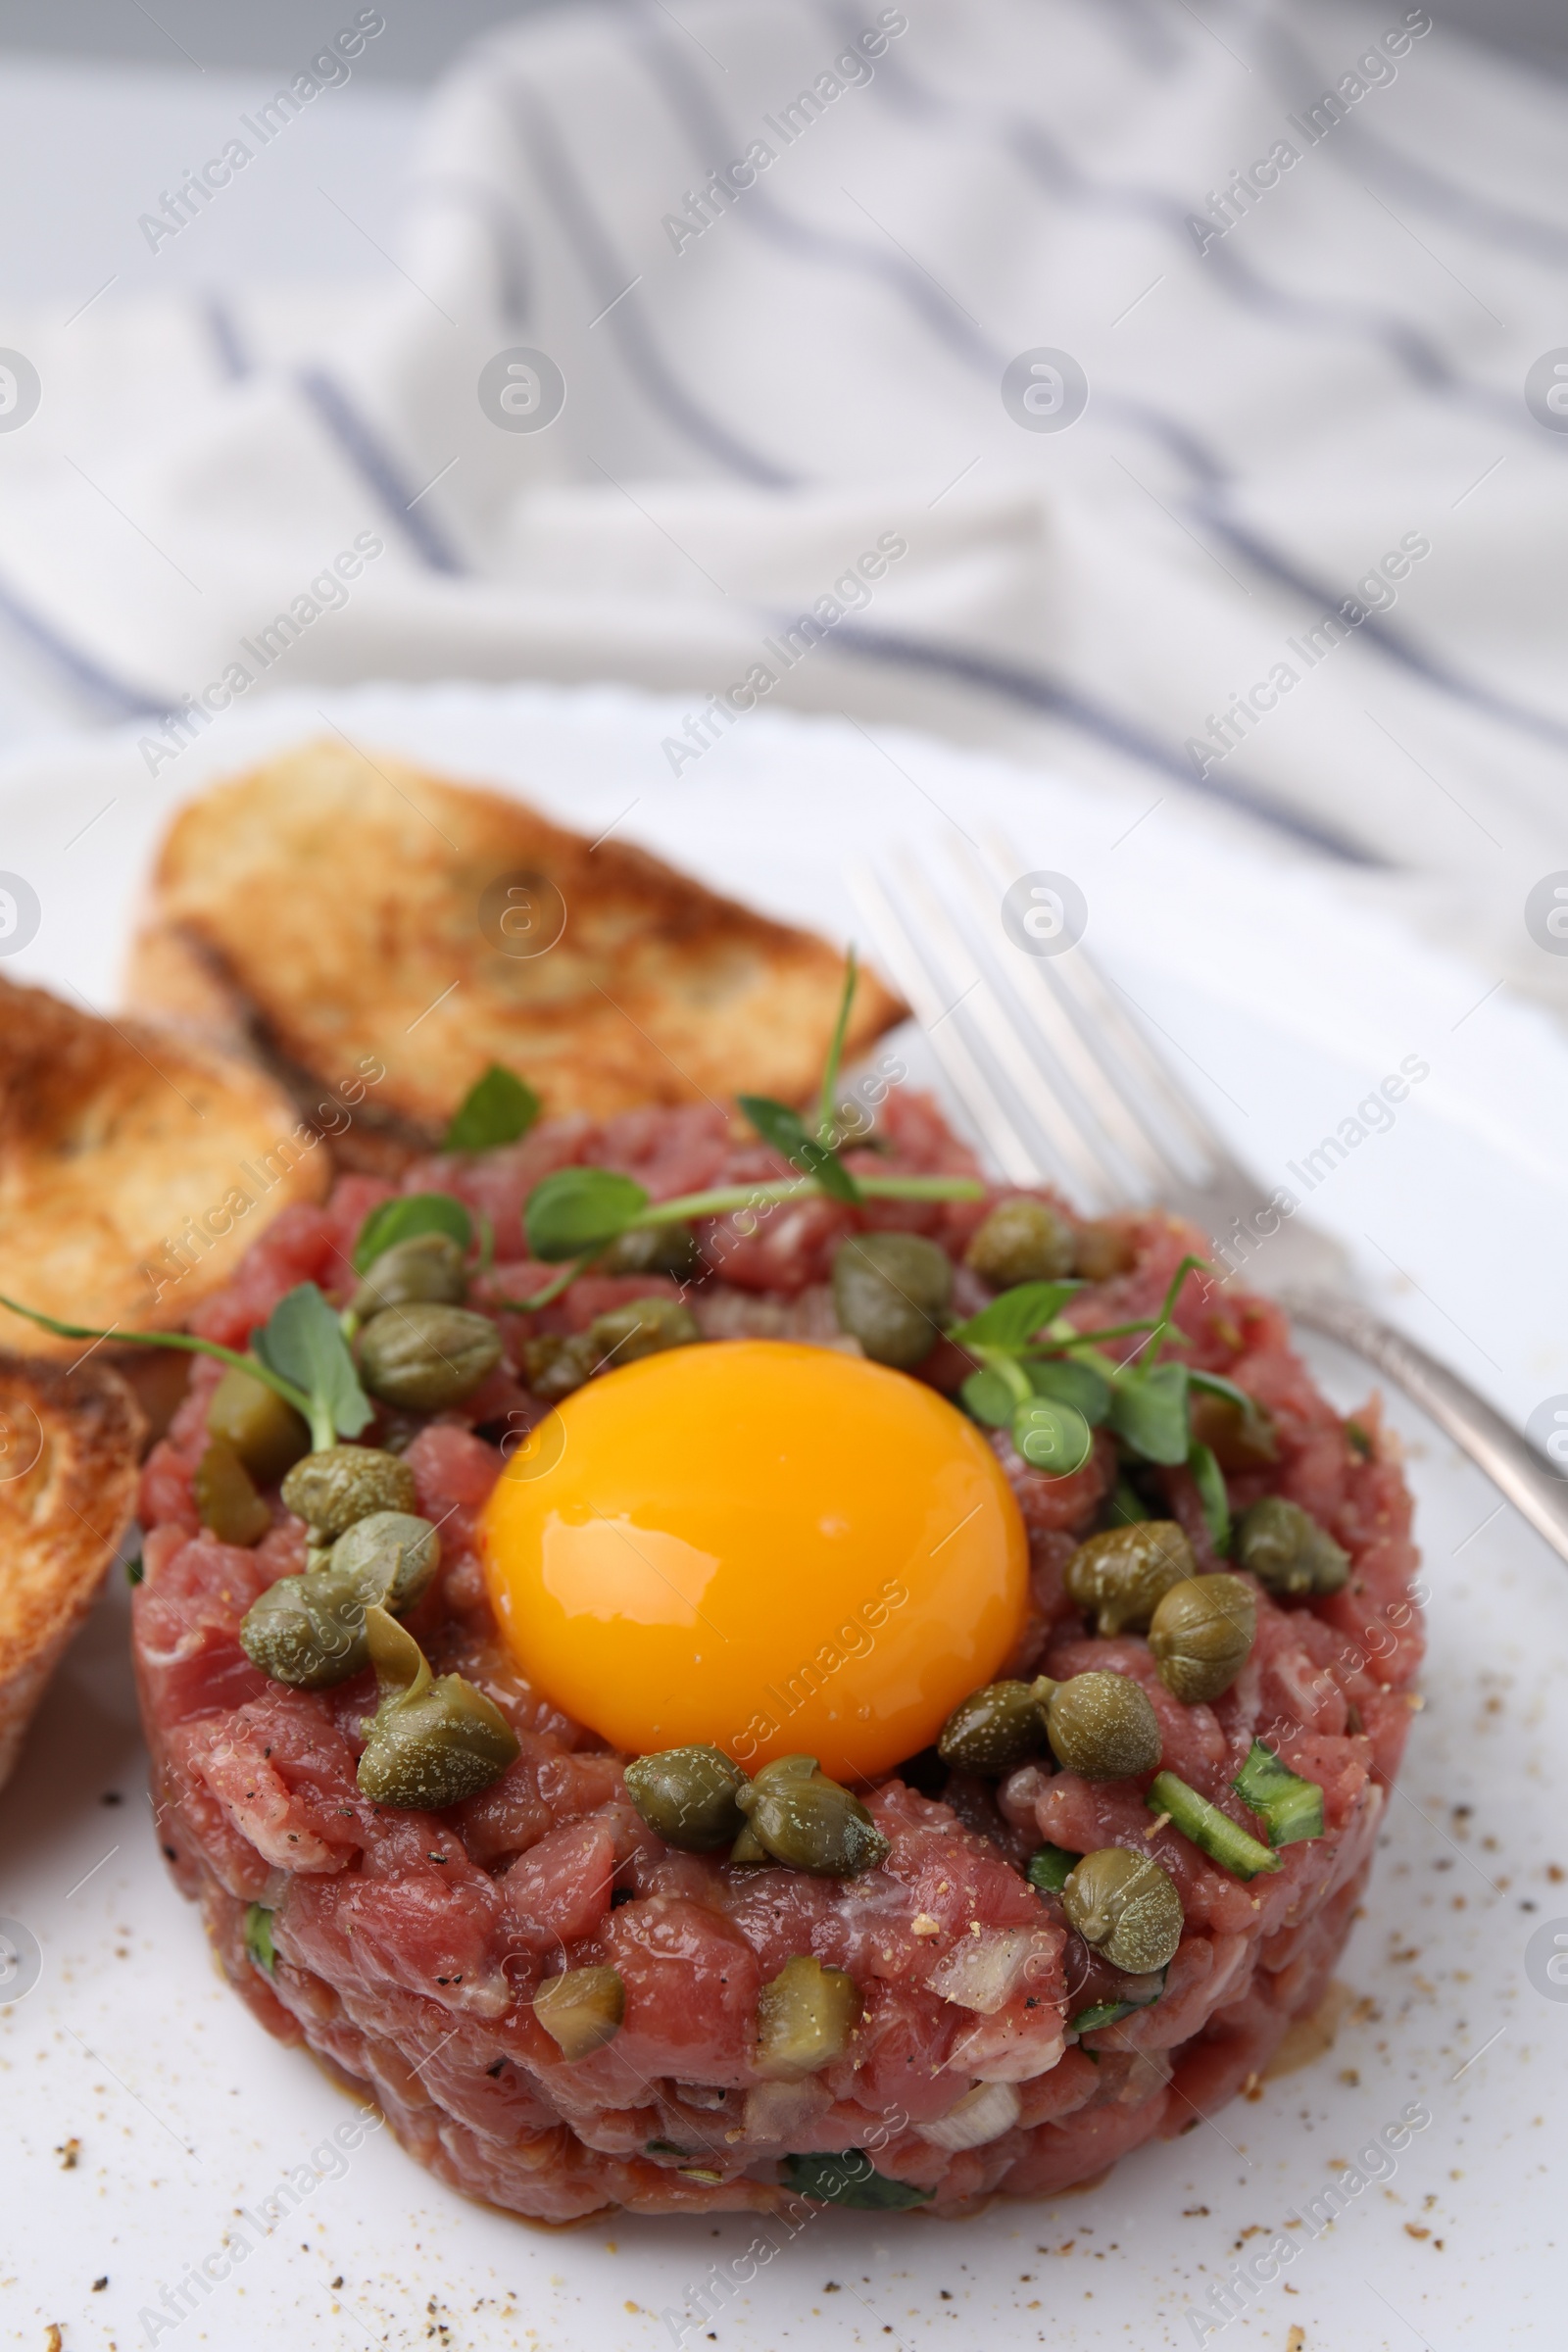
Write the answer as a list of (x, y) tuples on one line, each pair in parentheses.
[(69, 1447), (135, 1167), (338, 911)]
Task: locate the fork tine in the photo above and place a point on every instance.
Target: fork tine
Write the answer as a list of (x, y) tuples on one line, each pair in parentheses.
[(978, 1006), (1124, 1061), (899, 953)]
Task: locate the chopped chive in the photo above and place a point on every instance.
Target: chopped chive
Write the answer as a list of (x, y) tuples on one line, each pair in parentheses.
[(1105, 2013), (1212, 1831), (1358, 1440), (135, 1570), (1209, 1480), (259, 1937), (1049, 1866), (1292, 1806), (851, 2179)]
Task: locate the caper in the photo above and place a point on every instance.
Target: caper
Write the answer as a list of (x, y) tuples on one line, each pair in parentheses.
[(342, 1484), (426, 1266), (654, 1250), (553, 1366), (1118, 1576), (308, 1629), (996, 1727), (226, 1502), (889, 1289), (428, 1356), (1201, 1634), (642, 1327), (1287, 1551), (1127, 1907), (432, 1741), (1104, 1727), (391, 1556), (809, 1821), (1022, 1241), (268, 1434), (582, 2009), (805, 2019), (687, 1797)]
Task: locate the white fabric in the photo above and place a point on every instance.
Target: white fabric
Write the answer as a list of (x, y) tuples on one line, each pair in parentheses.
[(818, 370)]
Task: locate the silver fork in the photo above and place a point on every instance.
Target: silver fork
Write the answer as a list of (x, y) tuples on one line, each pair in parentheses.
[(1064, 1086)]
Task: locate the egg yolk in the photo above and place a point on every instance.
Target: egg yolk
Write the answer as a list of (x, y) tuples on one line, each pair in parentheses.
[(772, 1547)]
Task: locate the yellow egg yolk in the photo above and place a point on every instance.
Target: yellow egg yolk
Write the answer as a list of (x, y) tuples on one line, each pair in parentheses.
[(775, 1549)]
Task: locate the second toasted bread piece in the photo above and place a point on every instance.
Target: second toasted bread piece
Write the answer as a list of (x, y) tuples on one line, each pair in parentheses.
[(135, 1168), (69, 1447), (332, 907)]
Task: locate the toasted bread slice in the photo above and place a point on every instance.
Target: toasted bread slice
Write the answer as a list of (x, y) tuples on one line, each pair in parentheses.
[(135, 1168), (69, 1447), (348, 914)]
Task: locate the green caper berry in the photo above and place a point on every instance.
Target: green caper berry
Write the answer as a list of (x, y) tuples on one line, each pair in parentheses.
[(307, 1630), (1287, 1551), (268, 1434), (642, 1327), (654, 1250), (582, 2009), (1104, 1727), (1127, 1907), (391, 1557), (553, 1366), (226, 1502), (998, 1727), (1021, 1241), (428, 1356), (1118, 1576), (1202, 1636), (341, 1484), (433, 1749), (804, 2017), (428, 1266), (810, 1823), (687, 1797), (890, 1290)]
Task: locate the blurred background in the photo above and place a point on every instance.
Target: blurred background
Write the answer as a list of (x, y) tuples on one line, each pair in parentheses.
[(1210, 364)]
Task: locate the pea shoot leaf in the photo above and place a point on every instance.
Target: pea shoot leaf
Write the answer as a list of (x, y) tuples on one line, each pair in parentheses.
[(1069, 1383), (303, 1342), (497, 1108), (1053, 1438), (1012, 1318), (578, 1210), (1149, 1411), (785, 1130), (1209, 1480), (852, 2179), (989, 1398), (835, 1051), (1218, 1385), (400, 1219)]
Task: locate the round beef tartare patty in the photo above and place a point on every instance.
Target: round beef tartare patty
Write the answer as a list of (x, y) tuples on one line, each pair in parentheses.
[(405, 1949)]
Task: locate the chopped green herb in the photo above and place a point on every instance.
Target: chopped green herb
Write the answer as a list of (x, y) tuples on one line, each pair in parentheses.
[(851, 2179), (259, 1937), (134, 1571), (1212, 1831), (663, 2148), (1127, 1508), (497, 1109), (1105, 2013), (1049, 1866), (1292, 1806), (400, 1219), (1359, 1442), (1209, 1480)]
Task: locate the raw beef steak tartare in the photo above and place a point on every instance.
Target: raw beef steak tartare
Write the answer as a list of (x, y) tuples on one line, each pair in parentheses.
[(994, 2046)]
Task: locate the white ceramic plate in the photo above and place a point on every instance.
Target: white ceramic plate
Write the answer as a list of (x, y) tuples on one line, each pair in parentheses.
[(1284, 997)]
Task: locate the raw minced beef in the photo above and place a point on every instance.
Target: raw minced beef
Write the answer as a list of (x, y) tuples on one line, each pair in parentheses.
[(408, 1946)]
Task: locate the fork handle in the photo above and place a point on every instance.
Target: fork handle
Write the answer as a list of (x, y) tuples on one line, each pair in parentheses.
[(1521, 1474)]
